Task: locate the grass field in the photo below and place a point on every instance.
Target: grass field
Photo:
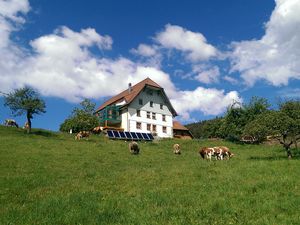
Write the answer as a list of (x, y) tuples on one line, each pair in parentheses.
[(49, 178)]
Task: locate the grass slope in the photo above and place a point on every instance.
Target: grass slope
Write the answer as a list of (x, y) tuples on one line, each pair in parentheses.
[(49, 178)]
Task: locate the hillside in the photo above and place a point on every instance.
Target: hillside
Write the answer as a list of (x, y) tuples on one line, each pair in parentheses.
[(49, 178)]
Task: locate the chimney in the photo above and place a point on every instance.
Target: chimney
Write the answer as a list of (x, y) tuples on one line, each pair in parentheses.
[(129, 87)]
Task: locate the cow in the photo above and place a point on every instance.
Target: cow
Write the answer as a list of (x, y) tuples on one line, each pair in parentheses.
[(134, 148), (82, 134), (218, 152), (225, 152), (176, 149), (207, 153), (11, 123)]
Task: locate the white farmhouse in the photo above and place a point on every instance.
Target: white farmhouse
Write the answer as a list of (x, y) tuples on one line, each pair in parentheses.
[(143, 107)]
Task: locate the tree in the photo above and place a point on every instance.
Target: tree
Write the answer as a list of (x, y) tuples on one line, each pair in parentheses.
[(239, 115), (25, 101), (277, 124), (81, 119)]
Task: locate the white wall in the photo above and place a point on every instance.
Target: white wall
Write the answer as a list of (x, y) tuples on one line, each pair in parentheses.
[(130, 118)]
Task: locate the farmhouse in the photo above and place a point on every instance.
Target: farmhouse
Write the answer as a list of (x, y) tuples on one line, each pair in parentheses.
[(143, 107)]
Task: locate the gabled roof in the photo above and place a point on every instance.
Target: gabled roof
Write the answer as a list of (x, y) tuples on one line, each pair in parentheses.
[(129, 96), (178, 126)]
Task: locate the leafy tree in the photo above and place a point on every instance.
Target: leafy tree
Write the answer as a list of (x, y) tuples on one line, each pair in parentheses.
[(239, 115), (292, 109), (277, 124), (81, 119), (206, 128), (25, 101)]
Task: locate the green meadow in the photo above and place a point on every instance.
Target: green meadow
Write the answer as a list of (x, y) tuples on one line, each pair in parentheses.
[(49, 178)]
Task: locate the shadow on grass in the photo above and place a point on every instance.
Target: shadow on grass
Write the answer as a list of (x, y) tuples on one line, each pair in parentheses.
[(44, 133)]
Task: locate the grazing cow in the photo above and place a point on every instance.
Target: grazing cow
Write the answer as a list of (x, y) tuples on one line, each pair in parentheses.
[(134, 148), (219, 152), (82, 134), (207, 153), (225, 152), (176, 149), (11, 123)]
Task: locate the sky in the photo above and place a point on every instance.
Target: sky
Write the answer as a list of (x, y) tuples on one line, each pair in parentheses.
[(206, 54)]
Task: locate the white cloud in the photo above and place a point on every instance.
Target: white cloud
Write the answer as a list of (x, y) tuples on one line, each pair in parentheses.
[(63, 66), (145, 50), (10, 9), (192, 44), (230, 79), (207, 75), (274, 57), (208, 101)]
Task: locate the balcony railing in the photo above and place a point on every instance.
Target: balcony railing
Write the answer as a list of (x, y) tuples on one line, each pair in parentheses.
[(110, 114)]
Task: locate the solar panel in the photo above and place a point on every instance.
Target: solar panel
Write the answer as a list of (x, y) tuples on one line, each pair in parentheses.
[(145, 136), (127, 134), (140, 136), (122, 134), (110, 134), (133, 134), (116, 134), (113, 134), (150, 136)]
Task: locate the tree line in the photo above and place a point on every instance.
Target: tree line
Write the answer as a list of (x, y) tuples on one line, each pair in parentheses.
[(255, 120)]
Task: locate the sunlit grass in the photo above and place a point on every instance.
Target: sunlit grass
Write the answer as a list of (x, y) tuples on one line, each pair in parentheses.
[(49, 178)]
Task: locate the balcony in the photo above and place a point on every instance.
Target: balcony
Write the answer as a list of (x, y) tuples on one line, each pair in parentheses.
[(110, 117)]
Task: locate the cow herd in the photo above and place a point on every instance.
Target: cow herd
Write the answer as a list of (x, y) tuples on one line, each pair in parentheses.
[(208, 153), (218, 152)]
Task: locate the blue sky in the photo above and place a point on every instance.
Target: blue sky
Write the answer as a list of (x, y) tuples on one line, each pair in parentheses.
[(206, 54)]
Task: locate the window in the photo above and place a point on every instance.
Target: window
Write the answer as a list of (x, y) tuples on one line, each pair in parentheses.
[(148, 115), (140, 101), (163, 117), (138, 113), (149, 127), (151, 104), (161, 106), (154, 128), (164, 129), (154, 116), (138, 125)]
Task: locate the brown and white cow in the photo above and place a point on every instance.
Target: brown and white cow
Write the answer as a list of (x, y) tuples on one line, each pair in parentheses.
[(82, 134), (218, 152), (226, 152), (222, 152), (176, 149), (207, 153)]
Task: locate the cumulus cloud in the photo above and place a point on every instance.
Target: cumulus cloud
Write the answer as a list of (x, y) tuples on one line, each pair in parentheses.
[(192, 44), (208, 101), (207, 75), (274, 57), (145, 50), (62, 65), (230, 79), (11, 16)]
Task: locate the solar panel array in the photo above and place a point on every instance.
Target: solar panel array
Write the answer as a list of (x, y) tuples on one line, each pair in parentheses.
[(125, 135)]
